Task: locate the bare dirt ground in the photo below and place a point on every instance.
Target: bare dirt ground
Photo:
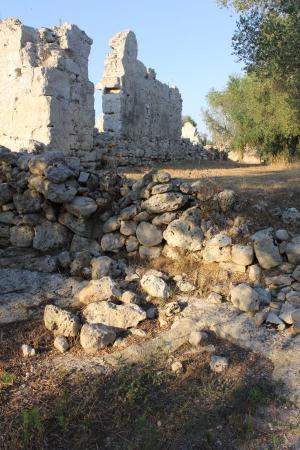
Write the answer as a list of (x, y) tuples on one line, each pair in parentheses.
[(148, 407)]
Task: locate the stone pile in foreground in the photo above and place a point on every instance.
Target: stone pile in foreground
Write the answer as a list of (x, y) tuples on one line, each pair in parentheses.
[(95, 227)]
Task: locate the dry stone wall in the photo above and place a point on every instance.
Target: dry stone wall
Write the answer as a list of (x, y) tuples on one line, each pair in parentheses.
[(46, 98)]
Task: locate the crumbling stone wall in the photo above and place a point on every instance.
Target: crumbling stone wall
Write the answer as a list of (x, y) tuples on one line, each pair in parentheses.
[(46, 98), (135, 104)]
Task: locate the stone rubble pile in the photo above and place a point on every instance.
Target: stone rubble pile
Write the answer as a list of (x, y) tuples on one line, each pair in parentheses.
[(91, 223)]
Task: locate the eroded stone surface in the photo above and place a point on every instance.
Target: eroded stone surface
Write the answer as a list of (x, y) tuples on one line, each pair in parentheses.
[(56, 88)]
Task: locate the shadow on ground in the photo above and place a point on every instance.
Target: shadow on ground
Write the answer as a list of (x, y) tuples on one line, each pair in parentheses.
[(140, 407)]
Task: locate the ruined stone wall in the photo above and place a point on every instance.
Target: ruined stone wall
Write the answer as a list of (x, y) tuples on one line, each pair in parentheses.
[(46, 98), (135, 104)]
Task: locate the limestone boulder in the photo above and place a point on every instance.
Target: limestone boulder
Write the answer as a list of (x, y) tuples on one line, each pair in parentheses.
[(148, 234), (162, 188), (100, 267), (83, 244), (155, 286), (61, 322), (37, 164), (184, 233), (219, 240), (161, 177), (58, 173), (61, 344), (266, 249), (160, 203), (128, 228), (129, 212), (80, 226), (97, 290), (226, 200), (82, 206), (112, 224), (164, 219), (21, 236), (6, 193), (50, 235), (111, 242), (204, 189), (296, 319), (149, 252), (120, 316), (296, 273), (132, 244), (244, 298), (27, 202), (293, 250), (242, 254), (216, 254), (291, 216), (59, 193), (94, 337)]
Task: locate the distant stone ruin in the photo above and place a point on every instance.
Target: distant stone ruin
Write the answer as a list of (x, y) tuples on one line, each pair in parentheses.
[(190, 131), (46, 98), (141, 116), (134, 103)]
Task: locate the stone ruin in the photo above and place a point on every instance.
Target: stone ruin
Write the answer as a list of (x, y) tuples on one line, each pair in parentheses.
[(190, 131), (47, 100), (46, 97), (73, 239), (135, 104), (141, 116)]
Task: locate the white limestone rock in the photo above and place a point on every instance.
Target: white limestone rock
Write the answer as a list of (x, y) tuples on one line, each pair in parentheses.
[(155, 286), (131, 244), (242, 254), (120, 316), (197, 337), (100, 267), (266, 250), (293, 250), (214, 298), (291, 216), (148, 234), (27, 350), (226, 200), (21, 236), (60, 321), (97, 290), (218, 364), (149, 252), (282, 235), (128, 228), (82, 206), (112, 224), (254, 273), (61, 344), (111, 242), (296, 273), (50, 235), (94, 337), (185, 233), (244, 297), (161, 203)]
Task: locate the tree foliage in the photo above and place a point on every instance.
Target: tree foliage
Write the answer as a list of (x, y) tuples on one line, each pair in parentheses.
[(189, 119), (252, 113), (262, 109)]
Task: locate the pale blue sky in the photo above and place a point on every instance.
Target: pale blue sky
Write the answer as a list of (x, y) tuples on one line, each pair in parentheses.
[(188, 43)]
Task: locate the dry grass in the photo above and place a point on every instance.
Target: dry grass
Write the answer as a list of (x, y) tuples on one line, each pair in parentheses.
[(142, 406), (228, 174)]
